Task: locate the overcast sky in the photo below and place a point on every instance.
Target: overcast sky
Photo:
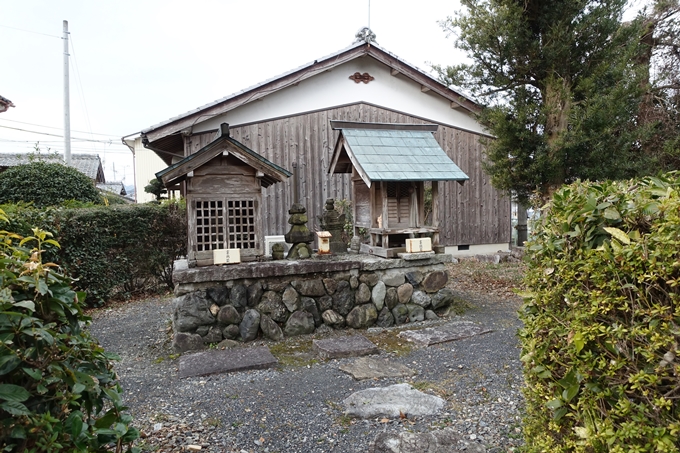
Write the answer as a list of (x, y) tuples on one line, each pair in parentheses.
[(137, 63)]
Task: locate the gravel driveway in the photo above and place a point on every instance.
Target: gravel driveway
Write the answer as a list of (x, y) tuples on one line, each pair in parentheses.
[(298, 406)]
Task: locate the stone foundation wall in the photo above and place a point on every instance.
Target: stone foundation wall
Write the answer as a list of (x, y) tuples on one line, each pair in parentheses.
[(278, 299)]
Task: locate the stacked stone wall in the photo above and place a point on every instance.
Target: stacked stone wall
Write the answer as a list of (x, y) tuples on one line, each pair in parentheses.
[(274, 307)]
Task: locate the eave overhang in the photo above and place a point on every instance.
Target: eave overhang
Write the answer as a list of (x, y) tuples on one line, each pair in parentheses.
[(271, 173)]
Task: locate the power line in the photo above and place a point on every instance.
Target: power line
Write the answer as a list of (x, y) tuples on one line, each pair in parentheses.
[(26, 144), (30, 31), (58, 128), (110, 142), (9, 140)]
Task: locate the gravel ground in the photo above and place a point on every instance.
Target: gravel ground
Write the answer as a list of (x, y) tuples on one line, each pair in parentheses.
[(298, 407)]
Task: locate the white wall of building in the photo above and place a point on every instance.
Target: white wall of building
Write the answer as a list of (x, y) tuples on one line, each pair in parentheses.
[(333, 87), (147, 164)]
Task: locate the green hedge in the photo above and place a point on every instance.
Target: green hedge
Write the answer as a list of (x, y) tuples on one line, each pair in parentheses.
[(111, 250), (601, 334)]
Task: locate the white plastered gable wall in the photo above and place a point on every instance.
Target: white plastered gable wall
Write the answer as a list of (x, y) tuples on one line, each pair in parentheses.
[(332, 88)]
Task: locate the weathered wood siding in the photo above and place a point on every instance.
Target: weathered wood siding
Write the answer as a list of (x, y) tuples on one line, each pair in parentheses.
[(474, 213), (224, 179)]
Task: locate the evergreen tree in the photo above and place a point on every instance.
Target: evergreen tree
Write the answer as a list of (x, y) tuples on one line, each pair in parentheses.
[(561, 89), (156, 188), (659, 58)]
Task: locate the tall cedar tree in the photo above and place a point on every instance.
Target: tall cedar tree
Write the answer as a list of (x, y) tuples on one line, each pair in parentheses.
[(560, 87), (659, 58)]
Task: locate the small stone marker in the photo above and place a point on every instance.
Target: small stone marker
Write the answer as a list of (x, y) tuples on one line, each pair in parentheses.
[(393, 401), (439, 441), (339, 347), (370, 368), (227, 361), (450, 332)]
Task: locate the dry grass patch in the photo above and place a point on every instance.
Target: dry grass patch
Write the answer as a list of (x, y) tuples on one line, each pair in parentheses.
[(470, 275)]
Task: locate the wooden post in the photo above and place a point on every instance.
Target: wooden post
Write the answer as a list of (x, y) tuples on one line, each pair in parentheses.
[(521, 225), (385, 213), (435, 211), (296, 195), (414, 214)]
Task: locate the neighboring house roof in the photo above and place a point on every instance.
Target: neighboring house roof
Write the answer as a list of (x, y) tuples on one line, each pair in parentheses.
[(164, 133), (116, 187), (5, 104), (271, 173), (392, 152), (88, 164)]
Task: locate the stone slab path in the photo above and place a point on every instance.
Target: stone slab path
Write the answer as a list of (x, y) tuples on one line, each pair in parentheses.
[(440, 441), (298, 408), (341, 347), (450, 332), (371, 368), (225, 361), (399, 400)]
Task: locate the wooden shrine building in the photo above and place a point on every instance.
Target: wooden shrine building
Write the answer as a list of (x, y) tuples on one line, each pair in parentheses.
[(223, 184), (389, 165)]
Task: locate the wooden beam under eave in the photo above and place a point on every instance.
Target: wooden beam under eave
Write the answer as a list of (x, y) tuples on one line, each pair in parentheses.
[(424, 89), (456, 106), (394, 72), (419, 77)]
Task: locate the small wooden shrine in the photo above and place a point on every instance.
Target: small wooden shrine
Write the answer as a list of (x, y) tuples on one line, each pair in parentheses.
[(223, 184), (390, 164)]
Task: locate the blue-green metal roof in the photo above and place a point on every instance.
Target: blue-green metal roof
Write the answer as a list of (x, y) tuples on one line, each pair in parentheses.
[(401, 155)]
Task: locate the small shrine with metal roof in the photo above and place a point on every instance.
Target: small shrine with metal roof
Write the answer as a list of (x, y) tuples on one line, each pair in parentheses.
[(390, 164)]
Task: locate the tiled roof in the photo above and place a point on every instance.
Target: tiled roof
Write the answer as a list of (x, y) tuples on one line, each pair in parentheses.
[(7, 102), (401, 155), (116, 187), (88, 164)]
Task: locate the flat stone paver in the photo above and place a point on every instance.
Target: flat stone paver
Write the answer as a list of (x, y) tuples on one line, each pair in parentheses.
[(340, 347), (370, 368), (226, 361), (439, 441), (450, 332), (392, 401)]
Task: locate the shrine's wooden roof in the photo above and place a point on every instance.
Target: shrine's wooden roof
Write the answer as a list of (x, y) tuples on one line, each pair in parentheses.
[(270, 172)]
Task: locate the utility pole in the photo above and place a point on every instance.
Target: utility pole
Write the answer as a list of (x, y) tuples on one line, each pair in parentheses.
[(67, 108)]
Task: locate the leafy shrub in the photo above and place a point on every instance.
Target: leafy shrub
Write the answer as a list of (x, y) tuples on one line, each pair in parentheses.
[(601, 335), (115, 250), (58, 390), (46, 184), (122, 249)]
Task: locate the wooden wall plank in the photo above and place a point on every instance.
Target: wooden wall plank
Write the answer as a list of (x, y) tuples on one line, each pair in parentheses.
[(474, 213)]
